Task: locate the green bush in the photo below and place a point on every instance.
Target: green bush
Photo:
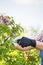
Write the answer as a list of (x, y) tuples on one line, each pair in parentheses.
[(8, 54)]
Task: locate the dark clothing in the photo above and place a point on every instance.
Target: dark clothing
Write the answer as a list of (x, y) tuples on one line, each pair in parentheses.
[(41, 53)]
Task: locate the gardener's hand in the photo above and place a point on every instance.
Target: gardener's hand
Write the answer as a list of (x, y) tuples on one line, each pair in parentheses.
[(24, 42), (17, 46)]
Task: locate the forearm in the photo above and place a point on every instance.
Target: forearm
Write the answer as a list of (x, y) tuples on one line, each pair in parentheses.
[(39, 45)]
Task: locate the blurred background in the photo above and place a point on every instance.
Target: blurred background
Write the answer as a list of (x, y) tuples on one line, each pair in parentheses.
[(19, 18), (28, 13)]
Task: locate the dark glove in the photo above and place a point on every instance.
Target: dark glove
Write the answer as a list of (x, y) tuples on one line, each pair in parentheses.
[(24, 42)]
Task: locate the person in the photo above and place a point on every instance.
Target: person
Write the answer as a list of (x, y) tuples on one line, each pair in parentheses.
[(40, 38), (25, 44), (41, 54)]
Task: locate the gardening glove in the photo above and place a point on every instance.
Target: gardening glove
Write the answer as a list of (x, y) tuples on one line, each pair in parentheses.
[(24, 42)]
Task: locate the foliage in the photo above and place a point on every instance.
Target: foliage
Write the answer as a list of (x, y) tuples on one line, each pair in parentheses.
[(8, 54)]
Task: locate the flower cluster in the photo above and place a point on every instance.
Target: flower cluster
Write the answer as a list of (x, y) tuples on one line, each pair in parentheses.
[(4, 20)]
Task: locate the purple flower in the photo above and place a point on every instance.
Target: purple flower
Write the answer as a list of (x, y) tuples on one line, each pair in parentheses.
[(5, 20)]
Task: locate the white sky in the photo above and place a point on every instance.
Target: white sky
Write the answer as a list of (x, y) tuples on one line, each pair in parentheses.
[(28, 1), (26, 12)]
